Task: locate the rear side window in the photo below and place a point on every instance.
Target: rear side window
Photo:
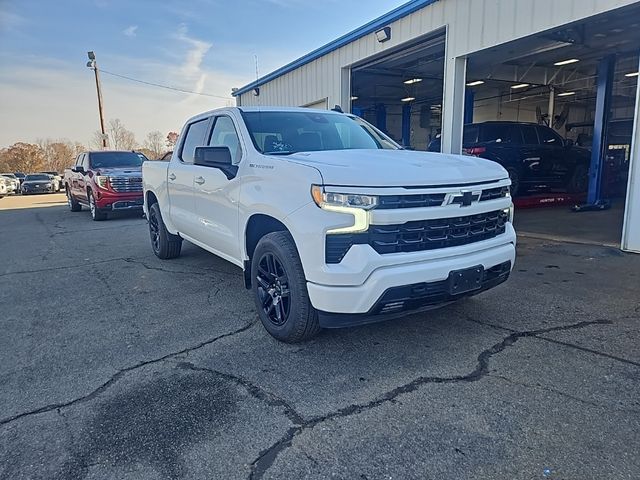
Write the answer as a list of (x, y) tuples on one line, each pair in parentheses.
[(192, 139), (470, 134), (529, 135), (493, 133), (549, 137)]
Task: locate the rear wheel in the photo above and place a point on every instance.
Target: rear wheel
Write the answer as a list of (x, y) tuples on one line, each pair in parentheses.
[(579, 182), (96, 214), (280, 289), (74, 206), (164, 244)]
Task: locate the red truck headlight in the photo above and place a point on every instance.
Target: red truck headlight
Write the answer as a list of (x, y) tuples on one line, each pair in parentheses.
[(102, 181)]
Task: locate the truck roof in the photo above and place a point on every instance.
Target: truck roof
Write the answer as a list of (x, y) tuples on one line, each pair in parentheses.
[(259, 109)]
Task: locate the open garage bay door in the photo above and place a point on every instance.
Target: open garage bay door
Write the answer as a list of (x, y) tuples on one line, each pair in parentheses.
[(557, 110), (401, 92)]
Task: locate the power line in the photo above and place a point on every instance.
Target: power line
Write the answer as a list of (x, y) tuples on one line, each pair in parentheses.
[(164, 86)]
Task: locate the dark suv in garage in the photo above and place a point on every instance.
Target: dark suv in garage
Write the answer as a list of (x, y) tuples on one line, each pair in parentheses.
[(534, 155)]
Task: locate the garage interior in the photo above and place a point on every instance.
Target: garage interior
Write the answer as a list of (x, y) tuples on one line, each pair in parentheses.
[(580, 80)]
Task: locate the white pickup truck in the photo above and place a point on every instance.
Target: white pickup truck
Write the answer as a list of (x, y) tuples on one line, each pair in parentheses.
[(333, 223)]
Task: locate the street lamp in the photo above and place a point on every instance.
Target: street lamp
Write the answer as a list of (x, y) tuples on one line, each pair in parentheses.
[(93, 65)]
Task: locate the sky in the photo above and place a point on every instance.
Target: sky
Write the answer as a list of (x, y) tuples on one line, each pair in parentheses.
[(206, 46)]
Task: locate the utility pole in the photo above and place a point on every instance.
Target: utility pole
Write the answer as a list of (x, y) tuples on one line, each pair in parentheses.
[(93, 65)]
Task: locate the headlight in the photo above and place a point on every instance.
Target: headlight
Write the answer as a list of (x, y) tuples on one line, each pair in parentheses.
[(48, 184), (322, 198), (102, 181), (354, 204), (509, 212)]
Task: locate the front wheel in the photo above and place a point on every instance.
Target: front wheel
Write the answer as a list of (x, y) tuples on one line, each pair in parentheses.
[(579, 181), (280, 289), (164, 244), (96, 214)]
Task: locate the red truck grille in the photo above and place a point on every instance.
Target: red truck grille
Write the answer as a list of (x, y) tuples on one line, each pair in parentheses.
[(126, 184)]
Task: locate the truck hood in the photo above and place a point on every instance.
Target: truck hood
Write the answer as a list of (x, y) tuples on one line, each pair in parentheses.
[(398, 168), (120, 171)]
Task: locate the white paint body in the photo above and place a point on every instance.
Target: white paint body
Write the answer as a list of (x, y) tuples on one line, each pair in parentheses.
[(214, 214)]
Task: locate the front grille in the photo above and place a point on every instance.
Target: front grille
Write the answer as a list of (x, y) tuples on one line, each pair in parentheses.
[(494, 193), (387, 202), (420, 235), (126, 184)]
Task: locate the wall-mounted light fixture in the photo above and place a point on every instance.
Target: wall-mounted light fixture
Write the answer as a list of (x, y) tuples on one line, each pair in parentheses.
[(384, 35)]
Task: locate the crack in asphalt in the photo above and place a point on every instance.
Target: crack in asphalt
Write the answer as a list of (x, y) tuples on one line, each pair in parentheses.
[(64, 267), (121, 373), (267, 457), (566, 344), (253, 389), (200, 272), (562, 394)]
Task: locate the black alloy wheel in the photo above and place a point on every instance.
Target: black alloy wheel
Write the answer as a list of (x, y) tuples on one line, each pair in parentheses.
[(273, 289), (154, 231)]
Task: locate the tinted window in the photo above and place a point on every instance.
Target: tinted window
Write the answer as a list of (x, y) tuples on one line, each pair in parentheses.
[(42, 177), (224, 135), (493, 133), (470, 134), (529, 134), (114, 159), (549, 137), (290, 132), (79, 159), (194, 138)]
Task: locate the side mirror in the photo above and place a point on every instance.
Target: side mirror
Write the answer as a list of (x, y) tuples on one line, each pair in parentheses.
[(216, 157), (78, 169)]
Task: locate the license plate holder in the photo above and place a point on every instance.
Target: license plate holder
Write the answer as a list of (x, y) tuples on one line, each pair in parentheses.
[(465, 280)]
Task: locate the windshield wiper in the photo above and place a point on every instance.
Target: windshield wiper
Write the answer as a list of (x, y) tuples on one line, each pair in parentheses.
[(283, 152)]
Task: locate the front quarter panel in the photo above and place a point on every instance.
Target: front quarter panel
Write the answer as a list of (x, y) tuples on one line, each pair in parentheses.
[(275, 187)]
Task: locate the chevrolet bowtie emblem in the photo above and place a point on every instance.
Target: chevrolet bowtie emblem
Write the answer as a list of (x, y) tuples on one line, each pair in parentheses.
[(466, 198)]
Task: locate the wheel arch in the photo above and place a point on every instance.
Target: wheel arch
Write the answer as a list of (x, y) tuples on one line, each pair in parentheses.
[(258, 225)]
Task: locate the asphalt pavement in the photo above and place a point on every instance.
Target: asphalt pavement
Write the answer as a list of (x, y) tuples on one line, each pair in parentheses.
[(117, 365)]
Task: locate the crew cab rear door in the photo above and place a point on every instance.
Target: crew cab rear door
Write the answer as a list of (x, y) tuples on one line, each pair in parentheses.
[(180, 175), (216, 196)]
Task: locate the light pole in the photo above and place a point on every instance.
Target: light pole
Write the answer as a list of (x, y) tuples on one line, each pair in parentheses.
[(93, 65)]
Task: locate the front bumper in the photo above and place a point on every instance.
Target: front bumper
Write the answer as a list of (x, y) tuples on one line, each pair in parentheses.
[(107, 200), (418, 297), (363, 298), (37, 189)]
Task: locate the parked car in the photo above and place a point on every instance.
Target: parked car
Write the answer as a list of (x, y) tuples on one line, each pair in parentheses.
[(332, 222), (534, 155), (105, 181), (14, 182), (20, 176), (3, 187), (57, 180), (37, 183)]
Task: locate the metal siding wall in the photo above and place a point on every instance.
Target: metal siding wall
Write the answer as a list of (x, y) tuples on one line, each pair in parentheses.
[(474, 25)]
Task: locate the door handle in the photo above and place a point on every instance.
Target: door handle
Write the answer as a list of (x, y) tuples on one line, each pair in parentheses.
[(172, 176), (199, 180)]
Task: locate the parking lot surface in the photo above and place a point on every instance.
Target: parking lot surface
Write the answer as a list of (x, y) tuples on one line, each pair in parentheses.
[(114, 364)]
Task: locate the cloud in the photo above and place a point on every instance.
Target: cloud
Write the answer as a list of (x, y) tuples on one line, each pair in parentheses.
[(130, 31), (191, 68), (9, 20)]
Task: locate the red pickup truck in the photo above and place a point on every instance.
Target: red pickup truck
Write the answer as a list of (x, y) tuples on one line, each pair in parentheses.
[(105, 181)]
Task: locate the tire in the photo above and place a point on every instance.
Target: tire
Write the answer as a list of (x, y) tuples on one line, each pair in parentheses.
[(96, 214), (276, 273), (74, 206), (579, 181), (165, 245), (515, 181)]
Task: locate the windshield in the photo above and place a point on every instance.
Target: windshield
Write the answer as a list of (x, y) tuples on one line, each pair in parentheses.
[(282, 133), (115, 159), (10, 175), (39, 177)]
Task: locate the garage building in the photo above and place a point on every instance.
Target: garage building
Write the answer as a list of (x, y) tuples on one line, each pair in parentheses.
[(550, 80)]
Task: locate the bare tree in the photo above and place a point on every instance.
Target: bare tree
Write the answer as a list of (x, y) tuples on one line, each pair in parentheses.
[(58, 154), (154, 143), (172, 138), (22, 157), (119, 138)]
